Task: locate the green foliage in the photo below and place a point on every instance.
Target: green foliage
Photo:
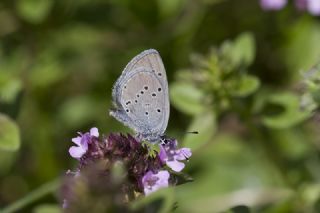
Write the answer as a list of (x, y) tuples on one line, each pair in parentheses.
[(241, 51), (187, 98), (205, 124), (246, 85), (9, 134), (303, 48), (291, 112), (247, 80), (310, 99), (47, 208), (34, 11), (164, 196)]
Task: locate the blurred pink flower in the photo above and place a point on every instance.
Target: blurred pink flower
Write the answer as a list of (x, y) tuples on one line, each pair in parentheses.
[(154, 181), (313, 6), (82, 142), (170, 155), (273, 4)]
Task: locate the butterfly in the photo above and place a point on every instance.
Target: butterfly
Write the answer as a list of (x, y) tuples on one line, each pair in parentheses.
[(140, 97)]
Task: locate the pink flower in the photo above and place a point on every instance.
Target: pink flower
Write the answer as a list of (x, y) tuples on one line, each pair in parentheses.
[(273, 4), (170, 155), (82, 142), (312, 6), (154, 181)]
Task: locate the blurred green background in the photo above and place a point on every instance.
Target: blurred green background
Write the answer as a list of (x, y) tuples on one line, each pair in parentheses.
[(234, 75)]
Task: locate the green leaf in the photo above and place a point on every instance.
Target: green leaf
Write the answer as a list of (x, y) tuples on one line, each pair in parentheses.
[(170, 7), (290, 115), (9, 134), (9, 89), (164, 195), (246, 85), (187, 98), (228, 167), (45, 189), (302, 48), (34, 11), (206, 125), (311, 193), (241, 51), (244, 49), (47, 208)]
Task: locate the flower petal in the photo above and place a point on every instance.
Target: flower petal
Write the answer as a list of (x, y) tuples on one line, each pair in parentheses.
[(163, 178), (77, 140), (149, 183), (146, 177), (76, 151), (183, 154), (314, 7), (175, 165), (273, 4), (162, 154), (94, 132)]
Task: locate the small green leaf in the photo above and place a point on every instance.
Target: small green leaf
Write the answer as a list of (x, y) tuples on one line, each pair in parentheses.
[(206, 126), (34, 11), (9, 89), (9, 134), (164, 195), (311, 193), (241, 51), (47, 208), (302, 47), (244, 49), (187, 98), (169, 7), (246, 85), (291, 114)]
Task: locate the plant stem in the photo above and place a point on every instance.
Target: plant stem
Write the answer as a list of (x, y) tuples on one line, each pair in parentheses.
[(43, 190)]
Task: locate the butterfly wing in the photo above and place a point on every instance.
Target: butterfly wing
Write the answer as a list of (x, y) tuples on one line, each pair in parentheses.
[(141, 96)]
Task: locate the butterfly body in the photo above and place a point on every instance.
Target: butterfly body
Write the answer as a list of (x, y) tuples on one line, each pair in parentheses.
[(140, 96)]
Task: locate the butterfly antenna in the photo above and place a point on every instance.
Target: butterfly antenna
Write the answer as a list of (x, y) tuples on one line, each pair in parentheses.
[(193, 132), (185, 155)]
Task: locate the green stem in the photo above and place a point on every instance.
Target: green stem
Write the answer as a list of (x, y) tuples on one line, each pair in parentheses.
[(43, 190)]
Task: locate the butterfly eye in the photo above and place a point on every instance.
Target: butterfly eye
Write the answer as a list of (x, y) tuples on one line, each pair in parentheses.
[(163, 141)]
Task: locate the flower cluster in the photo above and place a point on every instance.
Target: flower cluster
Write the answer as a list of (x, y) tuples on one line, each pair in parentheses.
[(312, 6), (142, 169)]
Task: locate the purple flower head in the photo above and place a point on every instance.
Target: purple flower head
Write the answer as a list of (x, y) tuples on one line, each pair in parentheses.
[(117, 169), (171, 155), (82, 143), (273, 4), (301, 4), (154, 181), (313, 6)]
